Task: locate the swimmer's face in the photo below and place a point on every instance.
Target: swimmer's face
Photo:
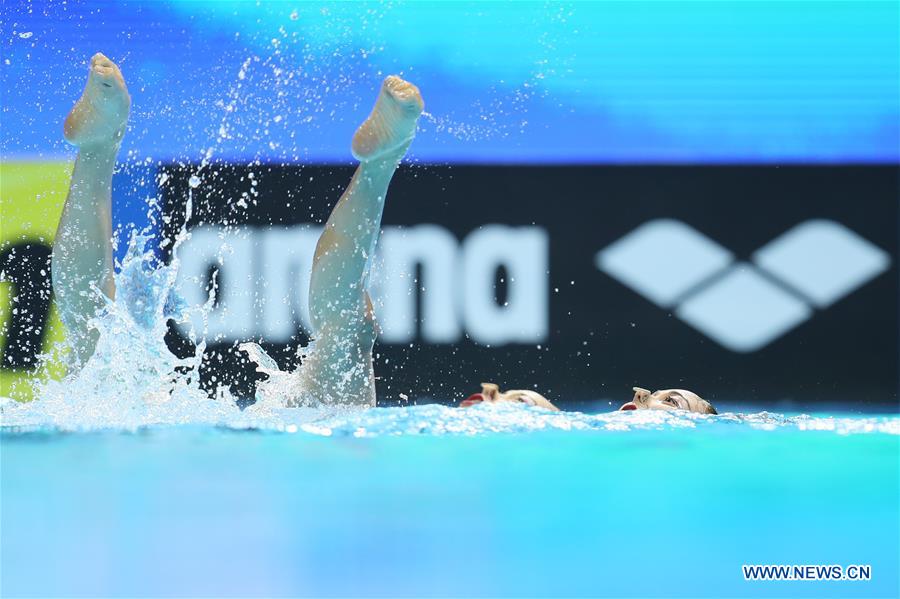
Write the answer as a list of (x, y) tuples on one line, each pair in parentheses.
[(669, 399), (490, 393)]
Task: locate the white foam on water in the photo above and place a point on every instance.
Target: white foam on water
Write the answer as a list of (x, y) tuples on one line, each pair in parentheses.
[(132, 379), (481, 419)]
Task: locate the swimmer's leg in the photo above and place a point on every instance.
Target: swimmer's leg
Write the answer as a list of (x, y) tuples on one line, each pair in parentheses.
[(340, 307), (82, 250)]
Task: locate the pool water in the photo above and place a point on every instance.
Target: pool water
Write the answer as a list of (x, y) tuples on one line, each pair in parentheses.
[(434, 501)]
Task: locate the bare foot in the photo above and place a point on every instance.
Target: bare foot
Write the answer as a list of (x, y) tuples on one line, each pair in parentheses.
[(392, 123), (100, 114)]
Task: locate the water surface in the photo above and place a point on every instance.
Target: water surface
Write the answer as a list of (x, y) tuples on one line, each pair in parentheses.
[(434, 501)]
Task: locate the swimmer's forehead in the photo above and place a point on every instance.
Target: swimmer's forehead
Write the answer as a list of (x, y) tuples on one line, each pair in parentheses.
[(690, 396), (682, 392), (525, 392)]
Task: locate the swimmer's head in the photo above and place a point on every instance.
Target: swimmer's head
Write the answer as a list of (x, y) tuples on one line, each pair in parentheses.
[(669, 399), (490, 393)]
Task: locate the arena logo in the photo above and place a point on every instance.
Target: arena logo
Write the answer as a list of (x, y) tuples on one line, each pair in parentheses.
[(262, 279), (743, 306)]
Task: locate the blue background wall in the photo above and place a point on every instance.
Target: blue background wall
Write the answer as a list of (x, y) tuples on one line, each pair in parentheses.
[(607, 82)]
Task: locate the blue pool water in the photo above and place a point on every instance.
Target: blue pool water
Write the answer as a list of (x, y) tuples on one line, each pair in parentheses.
[(434, 501)]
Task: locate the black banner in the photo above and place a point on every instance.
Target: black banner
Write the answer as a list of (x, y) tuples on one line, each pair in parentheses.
[(775, 286)]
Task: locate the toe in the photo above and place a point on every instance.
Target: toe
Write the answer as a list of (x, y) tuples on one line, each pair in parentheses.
[(103, 66), (99, 58), (403, 92), (395, 84)]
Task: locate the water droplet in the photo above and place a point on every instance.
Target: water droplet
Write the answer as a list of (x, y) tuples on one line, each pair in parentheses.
[(194, 181), (294, 15)]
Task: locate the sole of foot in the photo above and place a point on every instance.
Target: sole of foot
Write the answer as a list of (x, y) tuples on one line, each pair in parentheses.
[(392, 123), (100, 115)]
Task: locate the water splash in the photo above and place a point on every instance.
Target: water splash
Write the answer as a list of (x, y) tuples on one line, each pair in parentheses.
[(132, 379), (282, 388)]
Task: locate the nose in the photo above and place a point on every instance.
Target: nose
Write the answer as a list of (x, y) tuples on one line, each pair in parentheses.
[(629, 406), (473, 399)]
